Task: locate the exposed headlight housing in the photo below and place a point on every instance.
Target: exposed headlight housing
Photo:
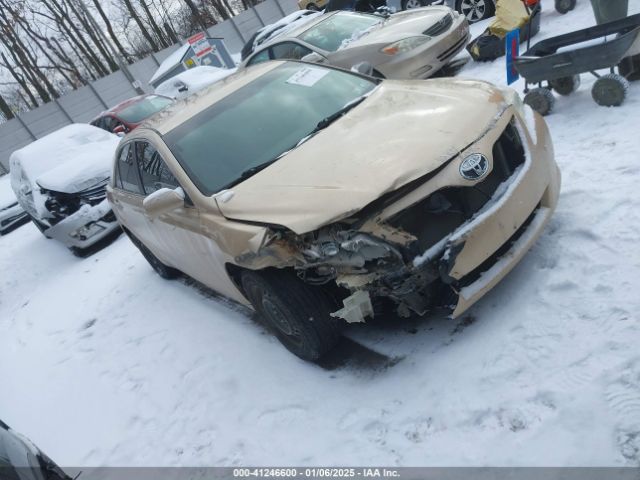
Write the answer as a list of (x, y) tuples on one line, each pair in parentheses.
[(405, 45)]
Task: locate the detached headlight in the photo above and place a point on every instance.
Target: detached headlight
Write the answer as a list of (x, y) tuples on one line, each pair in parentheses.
[(405, 45)]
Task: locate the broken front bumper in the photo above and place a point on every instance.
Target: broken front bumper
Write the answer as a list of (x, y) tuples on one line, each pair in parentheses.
[(471, 258), (85, 227)]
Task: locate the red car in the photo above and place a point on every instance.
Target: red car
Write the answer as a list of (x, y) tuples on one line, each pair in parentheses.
[(127, 115)]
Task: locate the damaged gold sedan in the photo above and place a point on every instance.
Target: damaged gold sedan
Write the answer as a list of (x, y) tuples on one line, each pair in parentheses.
[(311, 193)]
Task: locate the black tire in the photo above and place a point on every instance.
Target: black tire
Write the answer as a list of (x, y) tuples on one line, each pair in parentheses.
[(610, 90), (409, 4), (297, 313), (541, 100), (565, 85), (166, 272), (476, 10), (565, 6)]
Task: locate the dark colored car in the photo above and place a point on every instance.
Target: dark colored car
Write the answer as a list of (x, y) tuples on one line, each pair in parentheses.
[(20, 459), (127, 115)]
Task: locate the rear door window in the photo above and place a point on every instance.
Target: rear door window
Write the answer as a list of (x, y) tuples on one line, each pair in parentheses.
[(127, 177), (263, 56), (153, 170), (289, 50)]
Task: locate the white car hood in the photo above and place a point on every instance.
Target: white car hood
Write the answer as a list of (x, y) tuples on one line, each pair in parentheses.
[(68, 160)]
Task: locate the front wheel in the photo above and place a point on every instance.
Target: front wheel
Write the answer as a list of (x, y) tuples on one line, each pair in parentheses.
[(476, 10), (298, 313), (610, 90), (541, 100)]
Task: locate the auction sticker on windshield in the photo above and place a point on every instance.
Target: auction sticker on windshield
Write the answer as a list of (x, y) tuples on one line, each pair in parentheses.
[(307, 76)]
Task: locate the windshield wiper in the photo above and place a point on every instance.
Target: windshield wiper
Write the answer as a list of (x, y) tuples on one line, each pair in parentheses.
[(322, 124), (250, 172), (325, 122)]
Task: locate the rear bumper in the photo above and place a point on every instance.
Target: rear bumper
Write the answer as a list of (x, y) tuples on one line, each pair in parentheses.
[(425, 61), (85, 227)]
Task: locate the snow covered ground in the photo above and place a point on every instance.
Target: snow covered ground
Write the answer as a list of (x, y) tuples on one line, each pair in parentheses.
[(104, 363)]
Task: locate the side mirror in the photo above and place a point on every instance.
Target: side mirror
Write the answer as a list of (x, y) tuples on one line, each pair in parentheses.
[(162, 201), (364, 68), (120, 130)]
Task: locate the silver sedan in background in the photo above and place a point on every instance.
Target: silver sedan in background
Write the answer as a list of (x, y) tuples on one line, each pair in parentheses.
[(413, 44)]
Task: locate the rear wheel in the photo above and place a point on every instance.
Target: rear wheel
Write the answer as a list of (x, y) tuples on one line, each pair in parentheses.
[(564, 6), (409, 4), (566, 85), (476, 10), (298, 313), (610, 90), (541, 100)]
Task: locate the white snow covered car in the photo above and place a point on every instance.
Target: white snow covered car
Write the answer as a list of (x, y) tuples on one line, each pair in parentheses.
[(12, 215), (192, 80), (60, 180)]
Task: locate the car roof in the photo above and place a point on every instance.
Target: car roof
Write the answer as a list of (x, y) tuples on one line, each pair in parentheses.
[(287, 34), (126, 103), (286, 24)]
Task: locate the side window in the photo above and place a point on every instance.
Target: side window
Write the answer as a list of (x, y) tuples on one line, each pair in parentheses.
[(154, 172), (289, 50), (263, 56), (127, 171)]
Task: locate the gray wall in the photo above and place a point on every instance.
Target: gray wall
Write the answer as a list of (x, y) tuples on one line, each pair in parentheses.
[(84, 104)]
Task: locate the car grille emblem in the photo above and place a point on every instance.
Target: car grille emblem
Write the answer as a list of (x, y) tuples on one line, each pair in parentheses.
[(475, 166)]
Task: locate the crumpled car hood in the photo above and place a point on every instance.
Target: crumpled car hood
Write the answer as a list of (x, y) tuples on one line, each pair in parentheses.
[(403, 131)]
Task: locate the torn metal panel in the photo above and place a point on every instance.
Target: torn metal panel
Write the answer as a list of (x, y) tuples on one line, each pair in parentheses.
[(356, 308), (85, 227)]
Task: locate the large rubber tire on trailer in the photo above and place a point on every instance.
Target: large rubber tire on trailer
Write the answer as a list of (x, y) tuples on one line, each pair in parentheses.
[(565, 6), (409, 4), (476, 10), (298, 313), (541, 100), (166, 272), (565, 85), (610, 90)]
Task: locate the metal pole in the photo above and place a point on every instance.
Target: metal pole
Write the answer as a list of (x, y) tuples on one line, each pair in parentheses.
[(123, 65)]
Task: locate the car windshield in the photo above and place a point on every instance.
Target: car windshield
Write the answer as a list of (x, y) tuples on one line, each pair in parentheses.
[(260, 121), (329, 34), (138, 111)]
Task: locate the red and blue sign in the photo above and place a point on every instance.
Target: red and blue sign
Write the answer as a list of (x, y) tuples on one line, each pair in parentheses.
[(513, 50)]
